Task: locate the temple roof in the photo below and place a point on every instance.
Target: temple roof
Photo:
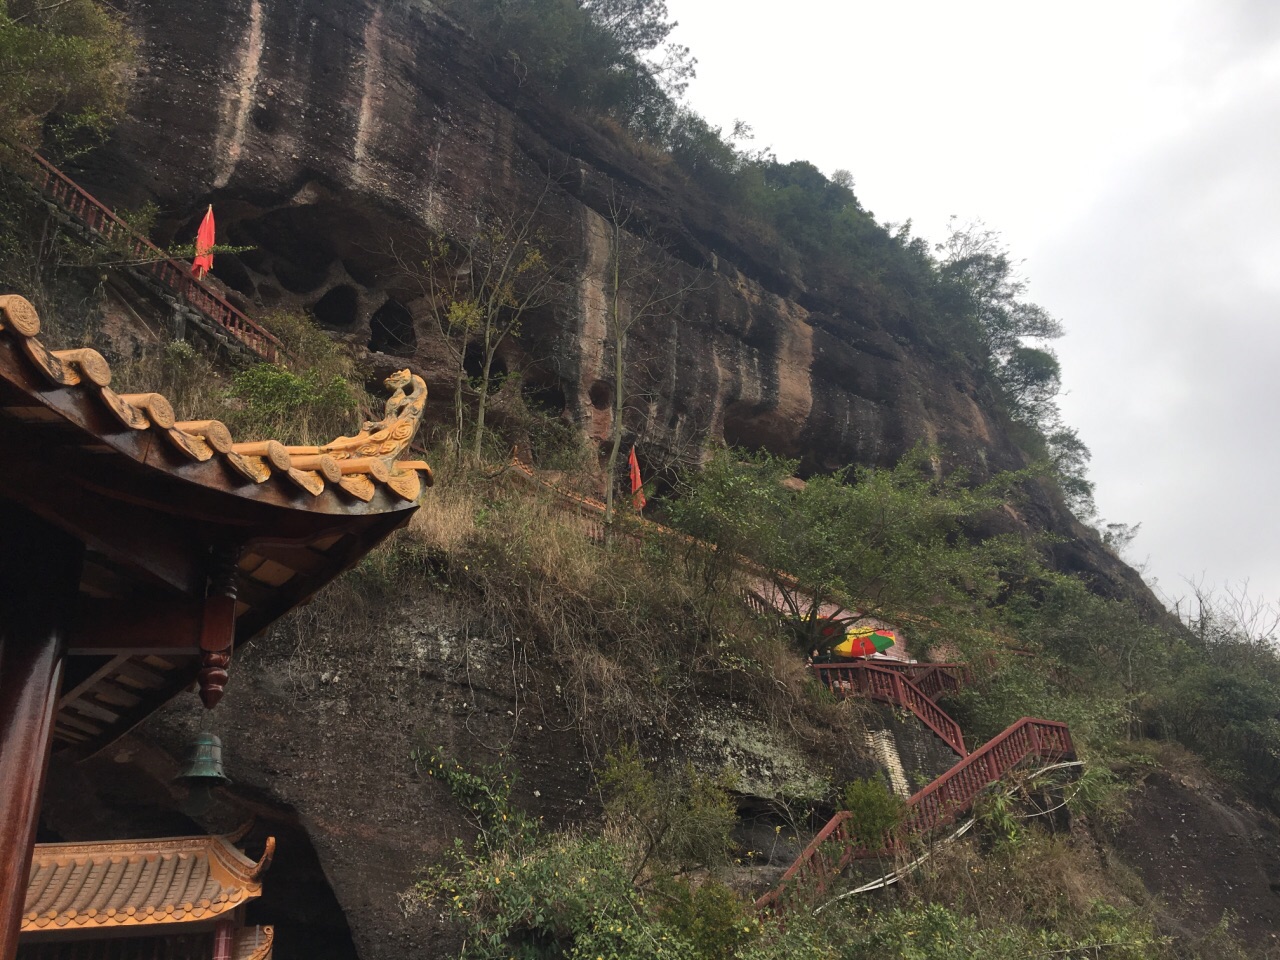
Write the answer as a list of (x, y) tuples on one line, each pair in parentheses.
[(128, 884), (153, 499), (358, 466)]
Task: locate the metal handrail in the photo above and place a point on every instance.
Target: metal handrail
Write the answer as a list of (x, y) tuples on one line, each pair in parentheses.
[(174, 274)]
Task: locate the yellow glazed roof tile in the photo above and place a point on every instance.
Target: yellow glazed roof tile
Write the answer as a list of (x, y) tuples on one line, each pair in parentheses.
[(131, 883), (357, 465)]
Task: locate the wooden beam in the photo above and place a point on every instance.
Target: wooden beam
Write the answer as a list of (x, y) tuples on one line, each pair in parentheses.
[(155, 547), (91, 710), (106, 670), (135, 628), (146, 677), (39, 578)]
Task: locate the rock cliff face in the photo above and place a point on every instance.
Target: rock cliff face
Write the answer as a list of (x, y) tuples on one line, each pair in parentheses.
[(334, 137)]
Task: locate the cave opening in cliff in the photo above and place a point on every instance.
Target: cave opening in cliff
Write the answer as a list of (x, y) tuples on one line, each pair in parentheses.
[(298, 900), (125, 791), (391, 330), (336, 310), (549, 398), (473, 363), (601, 395), (296, 239), (753, 427), (232, 272)]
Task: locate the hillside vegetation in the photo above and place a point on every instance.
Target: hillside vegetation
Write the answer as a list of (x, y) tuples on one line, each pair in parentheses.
[(639, 624), (639, 629)]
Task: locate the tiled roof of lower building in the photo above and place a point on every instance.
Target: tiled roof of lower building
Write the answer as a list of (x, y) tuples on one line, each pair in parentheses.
[(134, 883)]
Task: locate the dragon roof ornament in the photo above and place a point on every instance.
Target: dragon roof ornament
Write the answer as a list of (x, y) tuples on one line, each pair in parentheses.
[(357, 465)]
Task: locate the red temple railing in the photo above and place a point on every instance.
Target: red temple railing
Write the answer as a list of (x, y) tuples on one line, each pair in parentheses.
[(835, 847), (172, 273), (935, 679), (863, 678)]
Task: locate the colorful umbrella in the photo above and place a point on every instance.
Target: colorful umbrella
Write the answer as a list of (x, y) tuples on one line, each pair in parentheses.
[(864, 641), (204, 246)]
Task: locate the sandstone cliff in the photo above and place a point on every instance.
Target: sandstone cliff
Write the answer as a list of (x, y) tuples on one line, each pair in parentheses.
[(332, 135)]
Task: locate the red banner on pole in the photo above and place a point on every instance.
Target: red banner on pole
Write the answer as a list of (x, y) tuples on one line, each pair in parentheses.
[(204, 246), (637, 494)]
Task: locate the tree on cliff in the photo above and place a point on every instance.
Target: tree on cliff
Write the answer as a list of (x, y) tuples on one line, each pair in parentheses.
[(639, 286), (881, 542), (482, 289), (981, 290), (611, 56), (62, 70)]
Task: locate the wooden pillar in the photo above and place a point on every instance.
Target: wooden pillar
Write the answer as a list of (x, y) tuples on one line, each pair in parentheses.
[(224, 939), (39, 580)]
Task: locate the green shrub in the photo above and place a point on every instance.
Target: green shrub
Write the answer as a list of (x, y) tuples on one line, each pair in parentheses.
[(710, 917), (276, 402), (313, 399), (681, 821), (62, 71), (875, 811)]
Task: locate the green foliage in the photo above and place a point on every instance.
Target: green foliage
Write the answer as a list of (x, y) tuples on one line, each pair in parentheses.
[(274, 399), (1223, 702), (62, 71), (875, 811), (886, 542), (312, 400), (482, 289), (525, 893), (981, 282), (681, 822), (933, 932), (486, 796), (563, 895), (1069, 463), (609, 56), (710, 917)]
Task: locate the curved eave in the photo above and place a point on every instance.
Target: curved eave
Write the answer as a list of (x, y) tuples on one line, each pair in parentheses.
[(131, 884), (216, 486)]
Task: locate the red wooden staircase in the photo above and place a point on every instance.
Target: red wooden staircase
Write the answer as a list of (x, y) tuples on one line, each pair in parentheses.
[(879, 682), (935, 679), (938, 804), (152, 261)]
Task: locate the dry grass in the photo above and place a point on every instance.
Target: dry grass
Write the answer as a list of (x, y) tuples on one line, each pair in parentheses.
[(1041, 882), (183, 374), (654, 156), (633, 633)]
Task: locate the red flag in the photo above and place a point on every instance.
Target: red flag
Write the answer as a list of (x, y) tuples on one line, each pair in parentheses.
[(204, 247), (637, 494)]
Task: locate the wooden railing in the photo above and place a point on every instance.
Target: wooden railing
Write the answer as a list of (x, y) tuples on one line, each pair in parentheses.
[(863, 678), (935, 679), (174, 274), (955, 790), (835, 847)]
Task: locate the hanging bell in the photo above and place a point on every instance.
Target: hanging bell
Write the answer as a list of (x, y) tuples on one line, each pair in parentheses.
[(202, 772), (204, 760)]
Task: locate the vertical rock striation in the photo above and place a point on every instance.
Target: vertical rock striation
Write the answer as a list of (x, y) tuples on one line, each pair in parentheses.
[(335, 137)]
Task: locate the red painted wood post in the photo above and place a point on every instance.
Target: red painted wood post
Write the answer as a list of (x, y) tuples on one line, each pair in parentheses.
[(39, 581), (993, 768), (223, 940), (1034, 730)]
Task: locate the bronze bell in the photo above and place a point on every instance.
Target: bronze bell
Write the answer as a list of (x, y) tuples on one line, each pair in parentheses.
[(202, 772)]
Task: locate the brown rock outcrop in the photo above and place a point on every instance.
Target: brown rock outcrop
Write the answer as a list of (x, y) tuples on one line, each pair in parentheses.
[(332, 136)]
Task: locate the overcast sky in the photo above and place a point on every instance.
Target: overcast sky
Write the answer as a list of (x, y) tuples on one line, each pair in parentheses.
[(1129, 152)]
